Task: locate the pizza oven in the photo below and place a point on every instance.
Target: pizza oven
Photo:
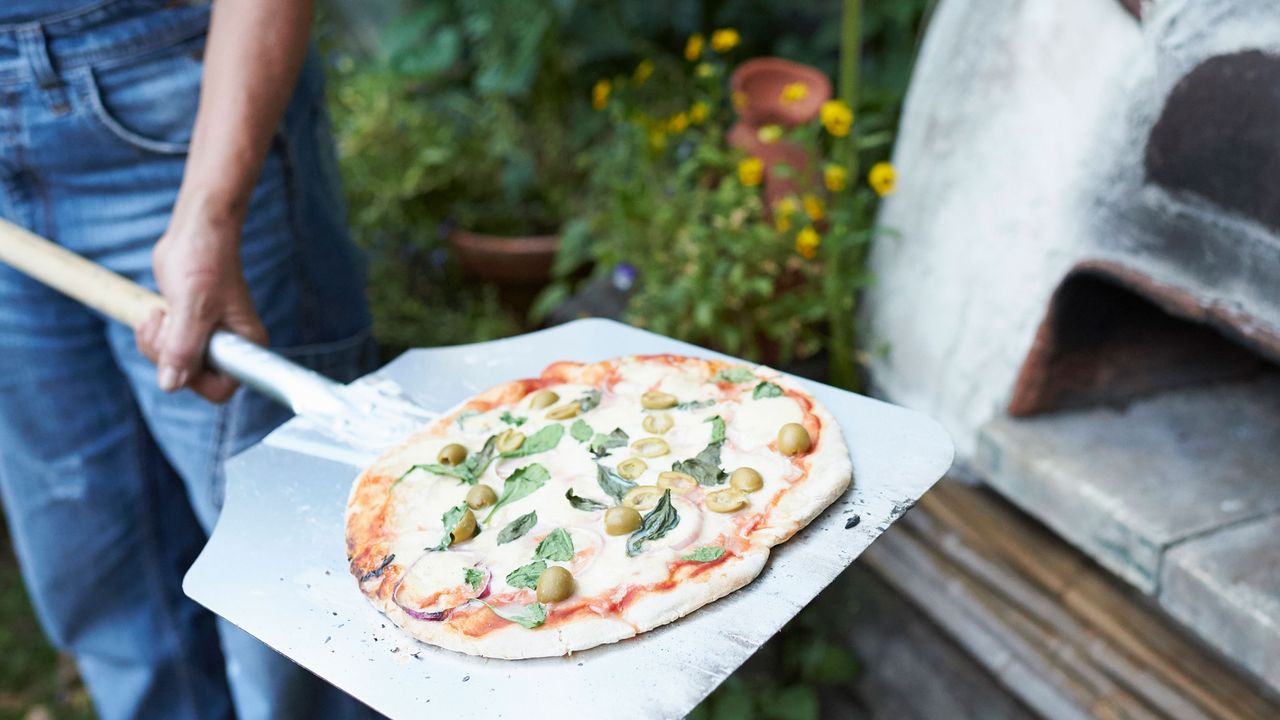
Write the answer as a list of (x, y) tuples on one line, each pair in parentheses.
[(1086, 287)]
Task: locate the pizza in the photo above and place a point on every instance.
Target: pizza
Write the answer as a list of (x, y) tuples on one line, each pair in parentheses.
[(592, 503)]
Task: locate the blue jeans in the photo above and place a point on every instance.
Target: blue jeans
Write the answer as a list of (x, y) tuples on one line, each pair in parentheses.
[(109, 485)]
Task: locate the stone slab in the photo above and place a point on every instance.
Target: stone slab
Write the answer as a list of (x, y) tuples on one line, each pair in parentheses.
[(1226, 585), (1125, 484)]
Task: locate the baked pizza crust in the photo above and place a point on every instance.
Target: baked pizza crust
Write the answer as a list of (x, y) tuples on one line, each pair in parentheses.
[(827, 474)]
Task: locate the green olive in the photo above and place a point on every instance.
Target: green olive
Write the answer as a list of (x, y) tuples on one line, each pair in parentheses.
[(481, 496), (554, 584), (466, 527), (746, 479), (658, 423), (621, 520), (678, 482), (654, 400), (543, 399), (726, 501), (650, 447), (509, 440), (564, 412), (642, 497), (451, 454), (793, 439), (632, 468)]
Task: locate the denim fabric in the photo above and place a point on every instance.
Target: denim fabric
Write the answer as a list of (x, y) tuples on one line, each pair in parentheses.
[(109, 485)]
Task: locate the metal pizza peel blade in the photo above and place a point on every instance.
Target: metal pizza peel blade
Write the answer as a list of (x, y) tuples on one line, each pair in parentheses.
[(276, 564)]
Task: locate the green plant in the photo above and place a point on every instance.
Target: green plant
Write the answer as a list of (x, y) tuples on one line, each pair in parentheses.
[(715, 264)]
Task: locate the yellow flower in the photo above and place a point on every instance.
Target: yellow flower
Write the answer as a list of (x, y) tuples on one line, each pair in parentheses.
[(678, 123), (783, 212), (813, 207), (600, 94), (794, 92), (643, 71), (769, 134), (657, 139), (837, 117), (693, 47), (835, 177), (725, 39), (882, 178), (807, 242), (704, 70), (739, 99), (751, 171), (699, 112)]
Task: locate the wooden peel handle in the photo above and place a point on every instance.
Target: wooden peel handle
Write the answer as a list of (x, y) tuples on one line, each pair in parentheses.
[(84, 280)]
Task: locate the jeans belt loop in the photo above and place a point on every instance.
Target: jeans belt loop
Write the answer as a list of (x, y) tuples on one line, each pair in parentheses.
[(35, 46)]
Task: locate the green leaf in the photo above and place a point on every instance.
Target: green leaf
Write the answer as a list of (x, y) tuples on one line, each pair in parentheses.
[(437, 469), (657, 523), (526, 576), (450, 520), (589, 401), (463, 417), (717, 430), (613, 484), (518, 527), (520, 484), (581, 503), (557, 546), (473, 577), (510, 419), (541, 441), (707, 553), (734, 375), (766, 390), (581, 431), (476, 463), (530, 616), (694, 405), (601, 444)]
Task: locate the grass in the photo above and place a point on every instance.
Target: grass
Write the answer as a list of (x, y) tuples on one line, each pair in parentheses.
[(35, 682)]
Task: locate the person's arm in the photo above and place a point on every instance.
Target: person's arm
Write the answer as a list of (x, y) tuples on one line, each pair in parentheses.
[(252, 59)]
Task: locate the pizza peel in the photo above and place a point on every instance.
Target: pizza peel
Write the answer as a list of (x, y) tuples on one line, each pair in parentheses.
[(276, 563)]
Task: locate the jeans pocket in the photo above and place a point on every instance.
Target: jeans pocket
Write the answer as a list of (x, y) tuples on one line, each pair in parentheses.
[(148, 102)]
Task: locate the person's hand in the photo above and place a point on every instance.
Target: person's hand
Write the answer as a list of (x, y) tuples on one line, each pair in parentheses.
[(197, 267)]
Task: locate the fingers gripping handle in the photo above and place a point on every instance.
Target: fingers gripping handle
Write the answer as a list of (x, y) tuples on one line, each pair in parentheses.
[(124, 300)]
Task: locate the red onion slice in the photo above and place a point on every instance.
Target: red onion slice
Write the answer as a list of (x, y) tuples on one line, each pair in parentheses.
[(428, 570)]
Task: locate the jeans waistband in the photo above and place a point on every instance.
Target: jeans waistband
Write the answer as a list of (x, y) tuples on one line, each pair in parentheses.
[(110, 30)]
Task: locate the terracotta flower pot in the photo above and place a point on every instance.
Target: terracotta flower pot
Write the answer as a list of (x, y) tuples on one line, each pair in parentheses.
[(762, 81), (795, 157), (498, 259)]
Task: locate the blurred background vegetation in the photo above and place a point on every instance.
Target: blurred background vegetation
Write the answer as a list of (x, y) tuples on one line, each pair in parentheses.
[(478, 115)]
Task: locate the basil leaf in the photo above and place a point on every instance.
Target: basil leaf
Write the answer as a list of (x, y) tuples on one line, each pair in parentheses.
[(437, 469), (657, 523), (526, 576), (733, 375), (450, 520), (520, 484), (510, 419), (518, 527), (694, 405), (473, 577), (601, 444), (613, 484), (581, 503), (378, 570), (705, 466), (581, 431), (766, 390), (588, 401), (477, 462), (717, 429), (704, 554), (531, 616), (463, 417), (541, 441), (557, 546)]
